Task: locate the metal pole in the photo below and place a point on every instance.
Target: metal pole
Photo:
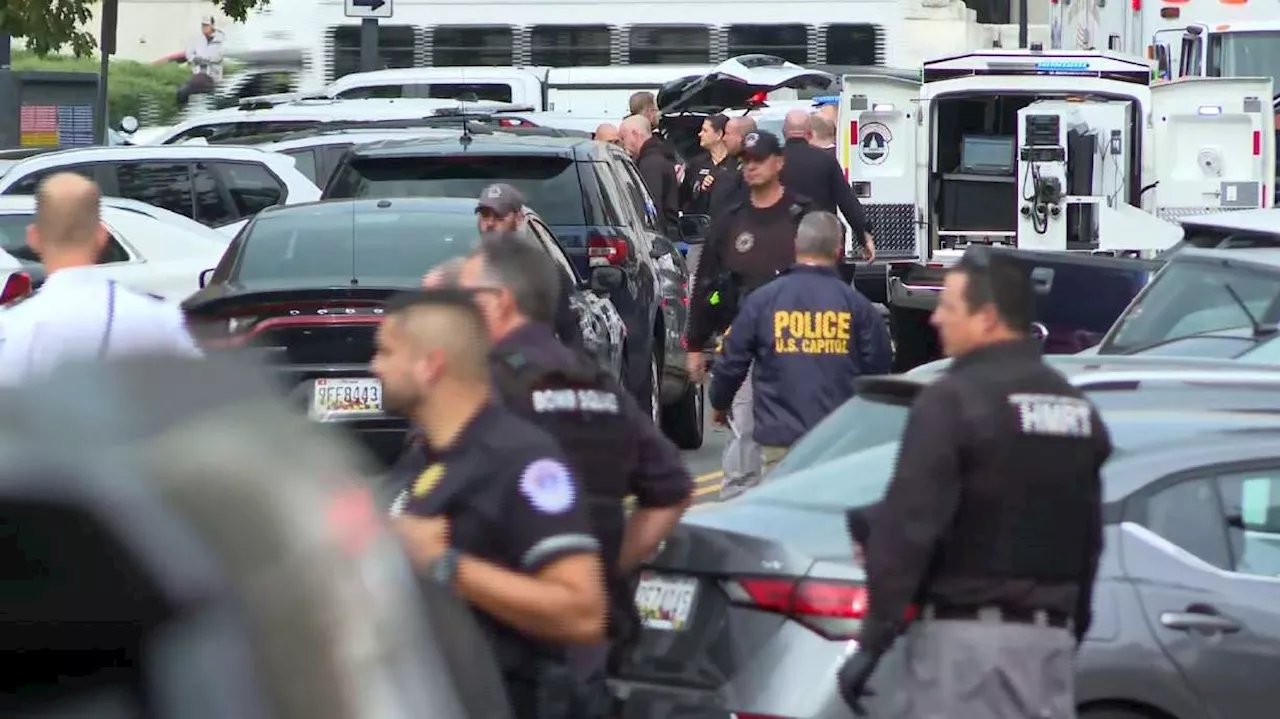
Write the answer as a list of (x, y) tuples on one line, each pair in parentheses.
[(1022, 24), (6, 50), (104, 120), (369, 44)]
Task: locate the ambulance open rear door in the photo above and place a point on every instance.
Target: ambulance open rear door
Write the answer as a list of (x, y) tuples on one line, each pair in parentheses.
[(880, 128), (1213, 145)]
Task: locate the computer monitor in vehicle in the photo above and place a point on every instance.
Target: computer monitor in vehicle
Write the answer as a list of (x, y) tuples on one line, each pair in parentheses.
[(987, 154)]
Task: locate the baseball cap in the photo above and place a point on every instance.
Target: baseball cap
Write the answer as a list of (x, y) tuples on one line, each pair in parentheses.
[(760, 144), (500, 198), (206, 20)]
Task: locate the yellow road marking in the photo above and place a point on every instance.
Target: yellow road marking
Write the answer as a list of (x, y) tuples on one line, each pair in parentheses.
[(709, 477)]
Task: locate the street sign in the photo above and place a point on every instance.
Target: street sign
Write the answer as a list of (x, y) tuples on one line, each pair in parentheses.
[(369, 9)]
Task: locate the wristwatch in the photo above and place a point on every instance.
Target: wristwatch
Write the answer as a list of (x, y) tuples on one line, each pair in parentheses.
[(444, 570)]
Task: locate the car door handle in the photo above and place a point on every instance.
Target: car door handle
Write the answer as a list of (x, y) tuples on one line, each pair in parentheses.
[(1197, 621)]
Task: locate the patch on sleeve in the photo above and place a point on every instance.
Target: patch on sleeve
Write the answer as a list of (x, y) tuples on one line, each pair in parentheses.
[(548, 486)]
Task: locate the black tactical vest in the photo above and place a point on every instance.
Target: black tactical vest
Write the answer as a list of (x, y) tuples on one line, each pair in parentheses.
[(582, 408)]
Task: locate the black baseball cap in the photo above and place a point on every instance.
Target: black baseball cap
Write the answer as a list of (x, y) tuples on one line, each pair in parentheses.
[(759, 145)]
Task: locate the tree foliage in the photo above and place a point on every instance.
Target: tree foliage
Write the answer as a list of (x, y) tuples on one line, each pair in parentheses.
[(49, 26)]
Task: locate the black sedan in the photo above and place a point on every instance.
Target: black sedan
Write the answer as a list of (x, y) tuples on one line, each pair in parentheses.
[(306, 284)]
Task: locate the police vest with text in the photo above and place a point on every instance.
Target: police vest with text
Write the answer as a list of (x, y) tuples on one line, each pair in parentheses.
[(582, 408)]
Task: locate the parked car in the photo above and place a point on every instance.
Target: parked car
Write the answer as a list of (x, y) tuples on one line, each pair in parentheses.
[(752, 604), (142, 545), (149, 249), (212, 185), (594, 201), (1204, 303), (318, 152), (308, 283)]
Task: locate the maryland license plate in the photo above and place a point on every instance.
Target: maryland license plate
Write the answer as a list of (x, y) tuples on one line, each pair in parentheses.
[(666, 602)]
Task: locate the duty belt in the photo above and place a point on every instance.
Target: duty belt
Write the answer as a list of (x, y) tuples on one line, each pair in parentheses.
[(998, 615)]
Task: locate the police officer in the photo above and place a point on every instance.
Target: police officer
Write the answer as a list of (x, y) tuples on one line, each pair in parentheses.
[(992, 521), (730, 187), (703, 171), (808, 334), (77, 314), (501, 209), (750, 244), (612, 446), (496, 513), (816, 174)]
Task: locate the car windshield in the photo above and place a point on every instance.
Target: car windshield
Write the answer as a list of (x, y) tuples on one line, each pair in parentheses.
[(1193, 297), (549, 184), (855, 425), (1215, 346), (376, 247), (862, 477)]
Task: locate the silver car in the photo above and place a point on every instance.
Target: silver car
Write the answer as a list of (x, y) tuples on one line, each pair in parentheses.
[(752, 605)]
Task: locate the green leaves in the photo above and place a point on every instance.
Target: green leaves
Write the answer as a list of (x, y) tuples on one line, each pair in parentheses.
[(59, 26)]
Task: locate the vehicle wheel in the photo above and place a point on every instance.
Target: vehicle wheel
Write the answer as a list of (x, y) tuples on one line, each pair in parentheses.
[(684, 419), (655, 390)]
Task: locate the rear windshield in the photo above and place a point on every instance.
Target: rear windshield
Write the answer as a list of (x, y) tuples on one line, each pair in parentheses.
[(1189, 298), (394, 248), (549, 184)]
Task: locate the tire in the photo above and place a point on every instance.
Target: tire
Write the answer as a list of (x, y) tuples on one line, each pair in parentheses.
[(655, 389), (1109, 713), (684, 420)]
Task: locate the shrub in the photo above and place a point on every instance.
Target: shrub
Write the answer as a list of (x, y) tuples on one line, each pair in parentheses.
[(148, 92)]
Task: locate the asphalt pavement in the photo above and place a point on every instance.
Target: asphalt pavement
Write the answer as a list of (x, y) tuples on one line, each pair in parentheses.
[(704, 463)]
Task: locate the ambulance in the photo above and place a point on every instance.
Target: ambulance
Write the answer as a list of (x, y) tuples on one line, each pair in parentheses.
[(1063, 153)]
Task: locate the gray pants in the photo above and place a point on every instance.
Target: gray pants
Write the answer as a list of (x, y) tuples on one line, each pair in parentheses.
[(742, 461), (985, 670)]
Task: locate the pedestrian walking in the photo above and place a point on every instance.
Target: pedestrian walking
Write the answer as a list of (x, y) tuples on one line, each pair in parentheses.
[(992, 523)]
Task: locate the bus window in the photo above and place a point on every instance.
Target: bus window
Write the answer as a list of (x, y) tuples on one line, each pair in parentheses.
[(670, 45), (789, 42), (570, 45), (464, 45), (854, 45)]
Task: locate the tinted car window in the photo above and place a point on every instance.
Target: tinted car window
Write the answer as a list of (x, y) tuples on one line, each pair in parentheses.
[(305, 161), (1251, 501), (549, 184), (13, 237), (213, 206), (382, 246), (252, 187), (163, 184), (28, 184), (1186, 298), (549, 243), (1187, 515), (854, 426)]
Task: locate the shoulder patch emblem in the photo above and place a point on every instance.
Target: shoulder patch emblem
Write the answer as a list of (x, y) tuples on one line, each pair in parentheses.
[(744, 242), (428, 480), (548, 486)]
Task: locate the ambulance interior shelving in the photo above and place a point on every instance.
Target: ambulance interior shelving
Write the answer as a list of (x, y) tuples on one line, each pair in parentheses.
[(999, 161)]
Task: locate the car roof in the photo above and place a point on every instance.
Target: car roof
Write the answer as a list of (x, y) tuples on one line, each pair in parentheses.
[(1265, 220), (495, 144), (350, 135), (28, 202), (346, 207), (1258, 256), (112, 153)]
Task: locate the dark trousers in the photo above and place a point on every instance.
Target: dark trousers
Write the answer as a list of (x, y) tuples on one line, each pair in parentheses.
[(198, 84)]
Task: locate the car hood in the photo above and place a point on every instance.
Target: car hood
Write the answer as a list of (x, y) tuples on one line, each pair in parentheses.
[(733, 82), (1088, 362)]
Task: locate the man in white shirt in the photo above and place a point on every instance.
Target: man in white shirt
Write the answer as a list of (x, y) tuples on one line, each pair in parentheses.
[(78, 314)]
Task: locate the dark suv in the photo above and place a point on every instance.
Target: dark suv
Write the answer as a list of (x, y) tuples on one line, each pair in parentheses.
[(595, 203)]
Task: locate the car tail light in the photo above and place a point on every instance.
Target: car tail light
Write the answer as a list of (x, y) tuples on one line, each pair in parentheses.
[(759, 98), (515, 122), (833, 609), (612, 250), (251, 321), (17, 286)]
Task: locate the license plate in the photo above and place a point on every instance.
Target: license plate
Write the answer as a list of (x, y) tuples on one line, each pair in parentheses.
[(666, 602), (337, 398)]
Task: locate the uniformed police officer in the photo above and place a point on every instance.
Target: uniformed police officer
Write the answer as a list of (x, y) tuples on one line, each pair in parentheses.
[(804, 337), (729, 187), (992, 521), (750, 244), (496, 513), (77, 314), (612, 445)]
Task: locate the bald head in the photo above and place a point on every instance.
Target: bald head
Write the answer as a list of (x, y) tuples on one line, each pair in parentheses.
[(831, 112), (68, 208), (736, 129), (824, 131), (797, 124), (607, 133)]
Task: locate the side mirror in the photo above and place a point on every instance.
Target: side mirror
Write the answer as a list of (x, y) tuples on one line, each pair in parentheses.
[(205, 276), (695, 228), (129, 124), (1039, 331), (606, 279)]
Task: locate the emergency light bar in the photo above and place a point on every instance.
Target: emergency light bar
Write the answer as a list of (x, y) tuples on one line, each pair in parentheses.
[(1062, 66), (821, 100)]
